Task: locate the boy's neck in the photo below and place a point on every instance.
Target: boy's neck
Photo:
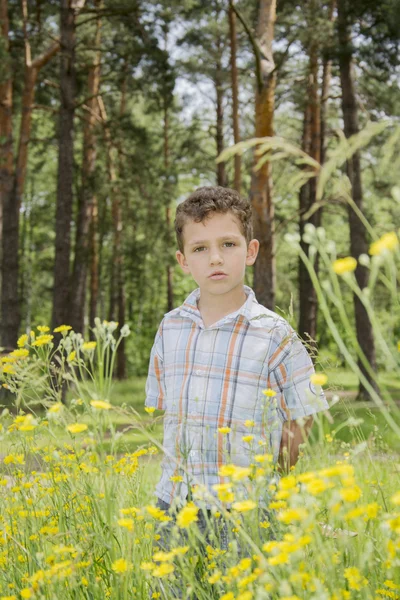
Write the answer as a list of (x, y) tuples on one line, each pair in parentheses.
[(215, 307)]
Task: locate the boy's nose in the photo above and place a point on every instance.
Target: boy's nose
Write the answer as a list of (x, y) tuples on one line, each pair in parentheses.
[(216, 258)]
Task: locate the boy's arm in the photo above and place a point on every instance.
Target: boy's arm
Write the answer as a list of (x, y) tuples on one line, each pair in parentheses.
[(294, 433), (155, 385)]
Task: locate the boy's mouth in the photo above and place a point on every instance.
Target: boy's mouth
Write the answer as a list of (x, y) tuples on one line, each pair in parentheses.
[(217, 275)]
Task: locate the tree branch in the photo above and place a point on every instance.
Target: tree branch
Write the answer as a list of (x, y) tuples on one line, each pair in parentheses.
[(253, 41)]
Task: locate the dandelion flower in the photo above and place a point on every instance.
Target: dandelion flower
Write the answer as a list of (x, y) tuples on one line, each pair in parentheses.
[(87, 346), (26, 593), (22, 340), (101, 404), (121, 566), (9, 370), (388, 242), (62, 328), (355, 579), (71, 356), (149, 409), (244, 505), (43, 340), (224, 429), (248, 438), (127, 523), (249, 423), (56, 408), (187, 515), (163, 570), (43, 328), (292, 514), (351, 494), (77, 427), (318, 379), (269, 393), (20, 353), (344, 265)]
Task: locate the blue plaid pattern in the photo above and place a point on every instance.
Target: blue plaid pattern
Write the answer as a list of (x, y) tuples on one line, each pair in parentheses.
[(209, 378)]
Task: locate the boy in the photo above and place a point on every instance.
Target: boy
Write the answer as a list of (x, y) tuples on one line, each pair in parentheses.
[(215, 355)]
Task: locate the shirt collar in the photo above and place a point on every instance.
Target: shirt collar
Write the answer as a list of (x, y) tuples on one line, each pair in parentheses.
[(189, 307)]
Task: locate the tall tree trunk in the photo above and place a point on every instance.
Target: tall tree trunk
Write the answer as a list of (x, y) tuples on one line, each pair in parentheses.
[(358, 237), (307, 197), (9, 319), (10, 314), (235, 95), (170, 285), (94, 262), (65, 164), (117, 289), (325, 87), (86, 199), (261, 182), (219, 137)]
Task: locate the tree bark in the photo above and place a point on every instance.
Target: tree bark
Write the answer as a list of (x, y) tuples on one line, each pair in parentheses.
[(219, 137), (9, 223), (312, 145), (235, 95), (261, 182), (358, 237), (86, 199), (94, 263), (170, 284), (65, 165)]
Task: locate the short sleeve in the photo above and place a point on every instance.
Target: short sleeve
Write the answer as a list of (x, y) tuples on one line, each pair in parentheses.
[(155, 386), (289, 376)]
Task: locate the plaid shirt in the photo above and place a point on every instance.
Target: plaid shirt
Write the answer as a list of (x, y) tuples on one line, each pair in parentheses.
[(208, 378)]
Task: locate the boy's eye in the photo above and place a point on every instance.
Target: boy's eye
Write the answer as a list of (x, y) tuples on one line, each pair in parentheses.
[(229, 244), (198, 249)]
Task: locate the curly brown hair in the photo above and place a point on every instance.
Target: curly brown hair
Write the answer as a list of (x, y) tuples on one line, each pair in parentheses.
[(208, 199)]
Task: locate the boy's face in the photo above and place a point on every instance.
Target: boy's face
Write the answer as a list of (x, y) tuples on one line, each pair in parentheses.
[(216, 253)]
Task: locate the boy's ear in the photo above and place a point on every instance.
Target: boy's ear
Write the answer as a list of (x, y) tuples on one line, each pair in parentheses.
[(252, 251), (180, 257)]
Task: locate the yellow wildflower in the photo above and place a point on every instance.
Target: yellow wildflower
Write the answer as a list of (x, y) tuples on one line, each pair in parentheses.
[(224, 492), (215, 577), (355, 579), (19, 353), (224, 429), (269, 393), (350, 494), (100, 404), (388, 242), (187, 515), (163, 570), (318, 379), (244, 505), (26, 593), (176, 478), (77, 427), (71, 356), (87, 346), (56, 408), (22, 340), (149, 409), (43, 328), (249, 423), (127, 523), (121, 566), (228, 596), (9, 370), (43, 340), (247, 438), (157, 513), (396, 498), (292, 514), (344, 265), (62, 328)]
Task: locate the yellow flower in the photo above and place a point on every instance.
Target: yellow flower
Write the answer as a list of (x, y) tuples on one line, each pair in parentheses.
[(396, 499), (224, 429), (20, 353), (244, 505), (176, 478), (224, 492), (157, 513), (317, 486), (249, 423), (42, 340), (187, 515), (247, 438), (215, 577), (163, 570), (351, 494), (62, 328), (9, 370), (389, 241), (56, 408), (344, 265), (101, 404), (26, 593), (318, 379), (127, 523), (71, 356), (390, 584), (121, 566), (269, 393), (87, 346), (43, 328), (292, 514), (22, 340), (355, 578), (77, 427), (228, 596), (149, 409)]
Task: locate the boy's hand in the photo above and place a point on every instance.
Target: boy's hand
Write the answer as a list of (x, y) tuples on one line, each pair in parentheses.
[(294, 433)]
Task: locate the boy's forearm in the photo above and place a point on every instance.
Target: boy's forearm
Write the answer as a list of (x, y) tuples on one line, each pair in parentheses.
[(293, 434)]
